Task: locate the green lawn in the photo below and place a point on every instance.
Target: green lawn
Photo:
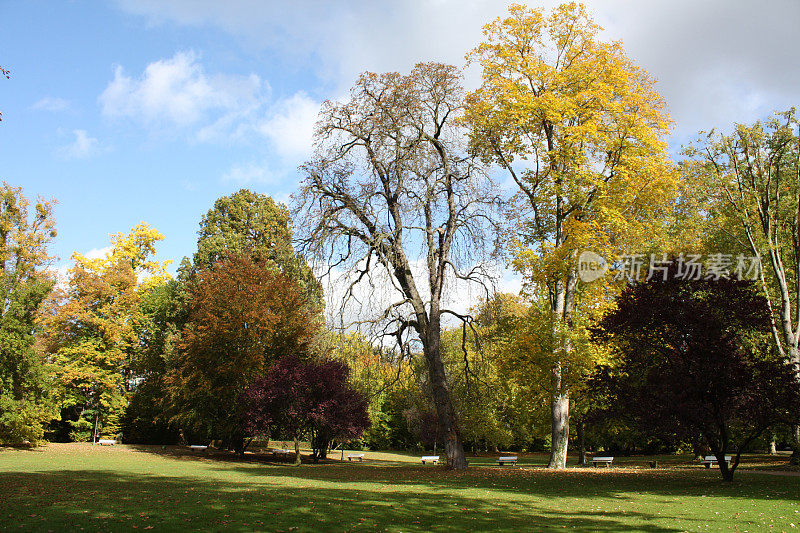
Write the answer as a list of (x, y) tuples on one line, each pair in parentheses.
[(80, 487)]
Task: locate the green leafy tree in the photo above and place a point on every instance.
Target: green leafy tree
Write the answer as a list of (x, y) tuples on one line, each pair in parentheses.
[(247, 222), (749, 180), (25, 402), (162, 315)]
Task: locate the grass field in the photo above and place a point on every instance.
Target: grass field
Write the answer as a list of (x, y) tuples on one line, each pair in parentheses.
[(122, 488)]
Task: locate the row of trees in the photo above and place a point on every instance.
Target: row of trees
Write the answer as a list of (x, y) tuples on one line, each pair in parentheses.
[(399, 192), (398, 189)]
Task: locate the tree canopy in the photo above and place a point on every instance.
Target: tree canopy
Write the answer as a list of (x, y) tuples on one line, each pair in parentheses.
[(91, 328), (694, 358), (247, 222), (25, 384), (243, 316), (389, 189), (580, 130)]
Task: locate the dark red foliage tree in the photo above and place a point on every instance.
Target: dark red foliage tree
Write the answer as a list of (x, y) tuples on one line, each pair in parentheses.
[(694, 358), (300, 397)]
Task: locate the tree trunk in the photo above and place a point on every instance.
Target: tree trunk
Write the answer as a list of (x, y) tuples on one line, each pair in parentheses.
[(454, 449), (561, 301), (560, 436), (297, 459), (581, 442)]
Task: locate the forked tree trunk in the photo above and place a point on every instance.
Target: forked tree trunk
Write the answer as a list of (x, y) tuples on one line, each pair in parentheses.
[(561, 300)]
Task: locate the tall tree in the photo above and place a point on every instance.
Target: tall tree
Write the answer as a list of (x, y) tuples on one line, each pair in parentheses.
[(752, 181), (390, 183), (255, 224), (24, 385), (580, 130), (91, 328), (243, 316), (695, 357)]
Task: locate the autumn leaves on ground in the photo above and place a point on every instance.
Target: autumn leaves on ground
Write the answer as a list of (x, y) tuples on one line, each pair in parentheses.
[(76, 487)]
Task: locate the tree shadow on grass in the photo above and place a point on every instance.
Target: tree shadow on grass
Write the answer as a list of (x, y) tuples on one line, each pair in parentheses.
[(107, 500), (614, 483), (575, 483)]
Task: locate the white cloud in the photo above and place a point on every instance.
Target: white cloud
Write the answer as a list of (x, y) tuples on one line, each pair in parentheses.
[(49, 103), (291, 127), (250, 173), (178, 96), (98, 253), (176, 92), (82, 147), (717, 61)]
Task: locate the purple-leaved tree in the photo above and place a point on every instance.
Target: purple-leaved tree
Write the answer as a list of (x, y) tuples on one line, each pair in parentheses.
[(299, 397), (694, 357)]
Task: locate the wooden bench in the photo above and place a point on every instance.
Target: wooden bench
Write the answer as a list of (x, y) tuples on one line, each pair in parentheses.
[(602, 461), (510, 460), (430, 459), (198, 448), (712, 460), (106, 442), (351, 456)]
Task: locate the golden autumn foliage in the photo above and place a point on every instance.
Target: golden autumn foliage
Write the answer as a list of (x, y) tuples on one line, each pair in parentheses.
[(581, 131), (91, 327), (580, 128)]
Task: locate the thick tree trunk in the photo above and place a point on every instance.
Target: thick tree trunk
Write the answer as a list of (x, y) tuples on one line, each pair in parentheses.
[(559, 408), (562, 300), (454, 449)]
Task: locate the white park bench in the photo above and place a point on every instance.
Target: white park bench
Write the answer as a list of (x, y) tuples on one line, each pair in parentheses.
[(106, 442), (602, 461), (351, 456), (430, 459), (709, 460), (198, 448), (510, 459), (280, 451)]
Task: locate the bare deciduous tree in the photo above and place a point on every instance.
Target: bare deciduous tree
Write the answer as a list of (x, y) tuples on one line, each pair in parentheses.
[(391, 192)]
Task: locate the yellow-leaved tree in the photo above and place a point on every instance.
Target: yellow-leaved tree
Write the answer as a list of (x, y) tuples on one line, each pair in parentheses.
[(580, 129), (91, 329)]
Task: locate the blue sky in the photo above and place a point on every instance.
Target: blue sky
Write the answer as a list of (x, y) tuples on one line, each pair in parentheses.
[(146, 110)]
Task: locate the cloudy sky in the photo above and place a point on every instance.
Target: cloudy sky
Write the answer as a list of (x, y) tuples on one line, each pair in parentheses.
[(151, 109)]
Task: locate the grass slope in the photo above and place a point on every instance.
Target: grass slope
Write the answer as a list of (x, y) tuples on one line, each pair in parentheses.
[(121, 488)]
